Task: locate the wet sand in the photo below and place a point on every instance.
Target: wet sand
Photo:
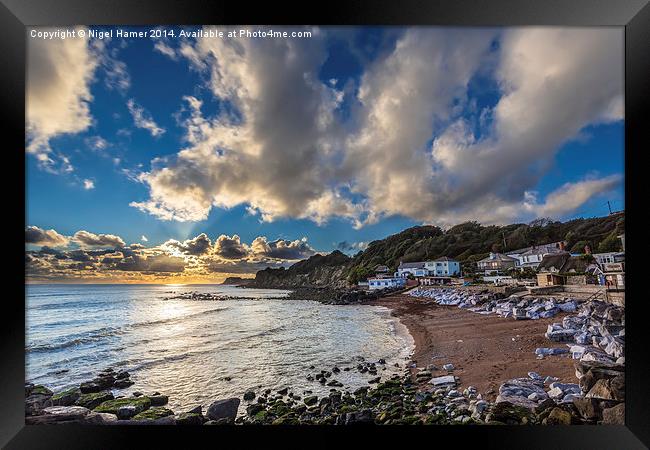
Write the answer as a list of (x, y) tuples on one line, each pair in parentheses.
[(481, 347)]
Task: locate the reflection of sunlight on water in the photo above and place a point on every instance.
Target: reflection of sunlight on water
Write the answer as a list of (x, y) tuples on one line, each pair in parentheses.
[(188, 349)]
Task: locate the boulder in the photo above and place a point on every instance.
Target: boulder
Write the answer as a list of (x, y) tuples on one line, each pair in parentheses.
[(94, 399), (158, 400), (189, 419), (153, 413), (558, 416), (36, 401), (95, 418), (617, 387), (249, 395), (196, 410), (592, 408), (447, 380), (510, 414), (614, 415), (122, 374), (223, 409), (66, 398), (123, 383), (124, 408), (365, 417), (602, 389), (58, 414)]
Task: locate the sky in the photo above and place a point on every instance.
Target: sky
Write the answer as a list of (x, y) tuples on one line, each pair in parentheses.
[(193, 157)]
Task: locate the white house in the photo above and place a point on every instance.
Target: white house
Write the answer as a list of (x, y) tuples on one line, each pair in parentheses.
[(443, 267), (384, 283), (416, 269), (609, 257), (496, 263), (532, 256), (437, 268)]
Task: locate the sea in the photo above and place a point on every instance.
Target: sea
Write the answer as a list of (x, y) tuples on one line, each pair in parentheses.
[(196, 351)]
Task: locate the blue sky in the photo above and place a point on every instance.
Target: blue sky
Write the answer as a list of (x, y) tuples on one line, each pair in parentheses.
[(405, 132)]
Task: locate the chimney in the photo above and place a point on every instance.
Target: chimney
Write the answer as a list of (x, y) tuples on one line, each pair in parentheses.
[(587, 250), (562, 245), (492, 255)]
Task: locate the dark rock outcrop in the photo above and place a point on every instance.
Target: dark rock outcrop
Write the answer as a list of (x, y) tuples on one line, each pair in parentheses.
[(223, 409)]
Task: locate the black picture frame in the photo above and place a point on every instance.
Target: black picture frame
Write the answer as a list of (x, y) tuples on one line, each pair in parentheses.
[(634, 15)]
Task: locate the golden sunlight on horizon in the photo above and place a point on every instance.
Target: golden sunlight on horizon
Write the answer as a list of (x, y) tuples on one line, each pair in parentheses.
[(174, 281)]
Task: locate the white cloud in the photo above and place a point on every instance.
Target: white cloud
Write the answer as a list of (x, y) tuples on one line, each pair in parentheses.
[(59, 75), (144, 238), (142, 119), (89, 184), (162, 47), (409, 147)]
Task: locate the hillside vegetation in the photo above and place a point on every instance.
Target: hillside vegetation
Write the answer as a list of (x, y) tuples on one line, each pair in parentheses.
[(467, 242)]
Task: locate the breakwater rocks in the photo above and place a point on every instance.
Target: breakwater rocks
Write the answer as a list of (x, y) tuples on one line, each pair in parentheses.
[(337, 296), (210, 297), (596, 333), (514, 306)]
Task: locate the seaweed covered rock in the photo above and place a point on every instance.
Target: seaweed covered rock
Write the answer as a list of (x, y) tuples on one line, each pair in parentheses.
[(66, 398), (510, 414), (153, 413), (189, 418), (39, 398), (94, 399), (124, 408)]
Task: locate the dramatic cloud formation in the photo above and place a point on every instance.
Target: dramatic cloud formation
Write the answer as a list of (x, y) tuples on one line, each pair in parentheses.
[(50, 238), (88, 239), (89, 256), (277, 157), (58, 94), (415, 143), (282, 249), (230, 247), (197, 246), (142, 119)]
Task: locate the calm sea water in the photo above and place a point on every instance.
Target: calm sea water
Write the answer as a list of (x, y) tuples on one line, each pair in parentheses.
[(186, 348)]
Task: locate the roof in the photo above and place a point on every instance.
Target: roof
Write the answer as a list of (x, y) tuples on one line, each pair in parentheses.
[(381, 268), (575, 264), (445, 258), (534, 249), (411, 265), (498, 257), (547, 249), (553, 260)]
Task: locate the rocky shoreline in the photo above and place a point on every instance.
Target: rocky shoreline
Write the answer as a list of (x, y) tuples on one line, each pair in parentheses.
[(421, 395), (399, 400)]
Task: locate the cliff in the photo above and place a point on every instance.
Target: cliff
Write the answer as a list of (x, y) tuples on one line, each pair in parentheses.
[(317, 271)]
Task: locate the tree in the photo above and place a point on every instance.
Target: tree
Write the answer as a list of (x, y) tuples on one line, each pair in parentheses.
[(579, 247), (610, 244)]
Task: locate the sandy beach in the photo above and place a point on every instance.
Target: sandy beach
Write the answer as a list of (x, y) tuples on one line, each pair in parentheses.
[(486, 350)]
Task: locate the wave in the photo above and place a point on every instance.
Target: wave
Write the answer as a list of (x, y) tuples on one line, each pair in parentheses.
[(96, 335), (74, 340)]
